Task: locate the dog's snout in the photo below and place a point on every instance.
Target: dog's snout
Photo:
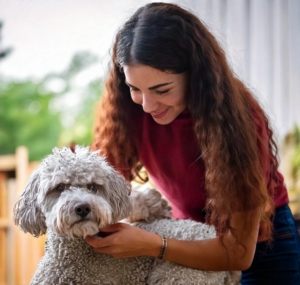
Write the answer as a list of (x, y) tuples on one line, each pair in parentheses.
[(83, 210)]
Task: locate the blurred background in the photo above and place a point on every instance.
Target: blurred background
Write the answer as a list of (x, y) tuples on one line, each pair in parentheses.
[(54, 57)]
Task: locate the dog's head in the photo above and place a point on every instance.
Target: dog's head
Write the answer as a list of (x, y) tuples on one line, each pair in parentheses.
[(74, 194)]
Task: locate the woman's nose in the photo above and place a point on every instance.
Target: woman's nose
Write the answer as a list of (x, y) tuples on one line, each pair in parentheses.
[(149, 103)]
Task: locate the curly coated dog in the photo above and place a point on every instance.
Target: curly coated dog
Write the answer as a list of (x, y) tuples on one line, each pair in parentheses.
[(74, 194)]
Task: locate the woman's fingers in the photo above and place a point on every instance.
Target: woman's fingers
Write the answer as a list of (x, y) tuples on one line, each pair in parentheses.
[(114, 227), (126, 241), (98, 242)]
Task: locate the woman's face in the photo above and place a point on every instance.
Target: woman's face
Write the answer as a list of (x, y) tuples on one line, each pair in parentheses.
[(161, 94)]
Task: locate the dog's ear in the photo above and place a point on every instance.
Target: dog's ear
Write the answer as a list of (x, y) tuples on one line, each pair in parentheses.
[(27, 213), (119, 191)]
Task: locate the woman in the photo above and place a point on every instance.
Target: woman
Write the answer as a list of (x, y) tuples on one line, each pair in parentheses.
[(174, 106)]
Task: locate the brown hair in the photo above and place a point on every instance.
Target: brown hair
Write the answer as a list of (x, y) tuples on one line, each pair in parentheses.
[(225, 114)]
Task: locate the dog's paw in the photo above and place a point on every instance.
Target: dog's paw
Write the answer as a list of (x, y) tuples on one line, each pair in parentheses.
[(148, 205)]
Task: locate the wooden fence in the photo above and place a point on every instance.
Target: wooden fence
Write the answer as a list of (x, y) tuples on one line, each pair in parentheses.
[(19, 252)]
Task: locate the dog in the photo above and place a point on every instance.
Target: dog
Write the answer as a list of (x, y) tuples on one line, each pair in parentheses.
[(73, 194)]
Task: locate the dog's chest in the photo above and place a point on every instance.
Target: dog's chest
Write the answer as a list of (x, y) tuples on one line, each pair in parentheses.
[(74, 262)]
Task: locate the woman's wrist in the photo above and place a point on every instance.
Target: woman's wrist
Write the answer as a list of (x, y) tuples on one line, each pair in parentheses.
[(153, 246)]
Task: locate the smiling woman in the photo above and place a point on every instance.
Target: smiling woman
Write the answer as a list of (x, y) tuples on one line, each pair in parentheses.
[(174, 106)]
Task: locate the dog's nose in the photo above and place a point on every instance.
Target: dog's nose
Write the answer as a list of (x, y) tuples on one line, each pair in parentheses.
[(83, 210)]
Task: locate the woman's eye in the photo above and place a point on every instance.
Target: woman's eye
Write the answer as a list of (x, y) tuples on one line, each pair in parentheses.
[(60, 187), (133, 90), (162, 92), (92, 187)]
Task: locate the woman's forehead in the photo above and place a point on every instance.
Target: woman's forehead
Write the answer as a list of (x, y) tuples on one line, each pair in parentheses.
[(152, 77)]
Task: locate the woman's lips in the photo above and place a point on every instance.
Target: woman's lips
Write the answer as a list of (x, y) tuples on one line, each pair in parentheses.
[(159, 115)]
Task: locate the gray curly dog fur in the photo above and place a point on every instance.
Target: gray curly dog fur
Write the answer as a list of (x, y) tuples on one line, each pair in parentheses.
[(74, 194)]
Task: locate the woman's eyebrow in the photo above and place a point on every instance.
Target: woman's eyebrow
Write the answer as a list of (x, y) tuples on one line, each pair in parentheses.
[(152, 87), (159, 85)]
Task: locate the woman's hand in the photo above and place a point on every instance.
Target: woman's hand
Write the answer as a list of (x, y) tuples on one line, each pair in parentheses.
[(126, 241)]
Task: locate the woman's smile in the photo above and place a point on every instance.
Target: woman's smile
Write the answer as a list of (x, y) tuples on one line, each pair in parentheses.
[(159, 115)]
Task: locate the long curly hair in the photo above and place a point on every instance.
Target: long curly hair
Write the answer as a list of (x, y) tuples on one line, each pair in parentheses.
[(225, 113)]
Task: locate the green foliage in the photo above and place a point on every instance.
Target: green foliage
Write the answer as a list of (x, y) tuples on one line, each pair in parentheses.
[(34, 115), (26, 119), (292, 140)]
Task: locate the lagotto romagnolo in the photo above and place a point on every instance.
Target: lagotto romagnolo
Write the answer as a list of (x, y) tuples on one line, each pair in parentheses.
[(75, 194)]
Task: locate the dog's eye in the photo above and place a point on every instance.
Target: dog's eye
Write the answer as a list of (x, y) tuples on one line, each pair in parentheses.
[(60, 187), (92, 188)]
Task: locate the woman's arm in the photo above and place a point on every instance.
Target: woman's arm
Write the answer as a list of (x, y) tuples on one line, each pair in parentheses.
[(211, 254)]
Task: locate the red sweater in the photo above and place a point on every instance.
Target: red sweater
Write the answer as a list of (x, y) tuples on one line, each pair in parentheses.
[(171, 158)]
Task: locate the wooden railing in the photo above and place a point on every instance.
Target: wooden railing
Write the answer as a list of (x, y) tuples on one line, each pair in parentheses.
[(19, 252)]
